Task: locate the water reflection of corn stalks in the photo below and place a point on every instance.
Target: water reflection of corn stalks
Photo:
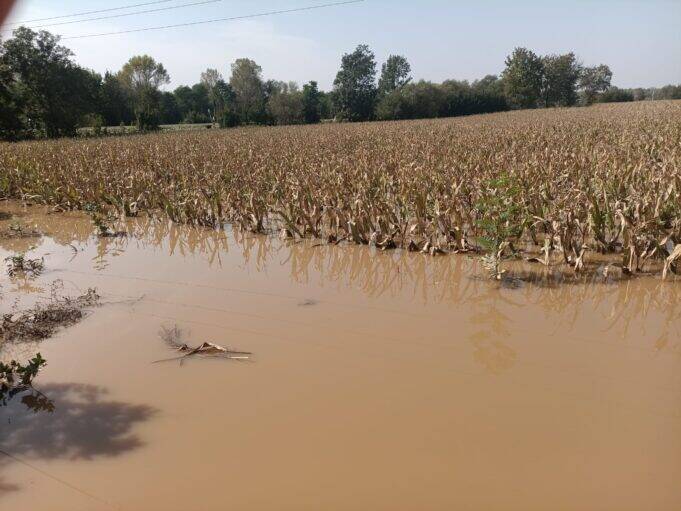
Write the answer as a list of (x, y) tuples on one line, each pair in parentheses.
[(388, 273), (19, 265), (445, 280), (428, 280)]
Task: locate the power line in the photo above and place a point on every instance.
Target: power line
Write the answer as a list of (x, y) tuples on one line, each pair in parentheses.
[(232, 18), (85, 13), (203, 2)]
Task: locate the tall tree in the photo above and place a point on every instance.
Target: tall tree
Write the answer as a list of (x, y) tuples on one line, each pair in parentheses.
[(246, 81), (594, 81), (11, 127), (147, 108), (143, 71), (210, 78), (226, 107), (184, 99), (53, 92), (115, 101), (561, 74), (192, 103), (394, 74), (327, 107), (169, 111), (355, 85), (285, 104), (202, 102), (523, 78), (143, 76), (312, 107)]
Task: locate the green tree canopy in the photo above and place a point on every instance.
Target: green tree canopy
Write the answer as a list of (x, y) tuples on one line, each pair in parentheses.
[(312, 106), (51, 92), (246, 81), (616, 95), (115, 101), (142, 71), (561, 74), (169, 110), (489, 83), (355, 85), (523, 78), (226, 106), (594, 81), (11, 127), (142, 76), (285, 103), (209, 79), (394, 74), (416, 100)]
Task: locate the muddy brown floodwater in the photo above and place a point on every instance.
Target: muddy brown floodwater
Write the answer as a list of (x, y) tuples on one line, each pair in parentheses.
[(380, 381)]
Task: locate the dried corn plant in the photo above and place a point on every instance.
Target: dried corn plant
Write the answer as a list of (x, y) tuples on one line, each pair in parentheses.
[(554, 186)]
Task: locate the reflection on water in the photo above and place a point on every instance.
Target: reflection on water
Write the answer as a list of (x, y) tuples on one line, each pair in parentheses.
[(493, 354), (27, 286), (491, 328), (377, 366), (425, 280)]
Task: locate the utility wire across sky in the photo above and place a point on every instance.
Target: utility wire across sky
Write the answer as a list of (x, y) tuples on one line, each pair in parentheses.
[(110, 16), (85, 13), (217, 20)]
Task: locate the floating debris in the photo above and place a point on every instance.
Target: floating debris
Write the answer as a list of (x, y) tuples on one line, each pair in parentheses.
[(44, 319), (174, 337)]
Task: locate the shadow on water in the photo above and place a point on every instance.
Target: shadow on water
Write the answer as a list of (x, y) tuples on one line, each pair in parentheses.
[(69, 421)]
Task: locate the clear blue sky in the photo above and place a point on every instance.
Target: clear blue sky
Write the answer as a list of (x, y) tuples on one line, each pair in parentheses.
[(639, 39)]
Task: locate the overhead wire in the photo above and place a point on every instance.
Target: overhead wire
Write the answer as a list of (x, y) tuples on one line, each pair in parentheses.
[(217, 20), (111, 16), (85, 13)]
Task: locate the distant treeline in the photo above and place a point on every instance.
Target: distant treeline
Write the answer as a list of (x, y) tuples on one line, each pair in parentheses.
[(44, 93)]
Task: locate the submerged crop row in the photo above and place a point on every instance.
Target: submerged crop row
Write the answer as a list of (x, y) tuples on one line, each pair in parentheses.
[(561, 183)]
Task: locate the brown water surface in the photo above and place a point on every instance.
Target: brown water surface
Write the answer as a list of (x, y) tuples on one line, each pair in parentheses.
[(381, 381)]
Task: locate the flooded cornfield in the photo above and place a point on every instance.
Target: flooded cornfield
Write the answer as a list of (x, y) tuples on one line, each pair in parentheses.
[(355, 378)]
